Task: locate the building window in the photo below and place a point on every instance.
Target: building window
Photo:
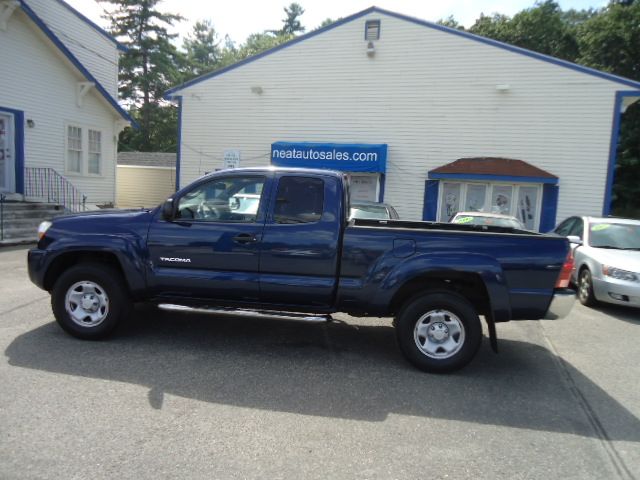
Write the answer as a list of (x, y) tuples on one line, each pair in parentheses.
[(520, 201), (372, 30), (95, 151), (74, 149)]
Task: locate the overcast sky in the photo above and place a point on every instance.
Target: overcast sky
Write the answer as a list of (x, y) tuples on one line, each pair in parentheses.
[(239, 18)]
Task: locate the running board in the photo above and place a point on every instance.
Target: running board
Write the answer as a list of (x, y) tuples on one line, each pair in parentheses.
[(246, 313)]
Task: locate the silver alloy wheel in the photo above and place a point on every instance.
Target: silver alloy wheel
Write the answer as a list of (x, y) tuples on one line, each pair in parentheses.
[(439, 334), (87, 303), (585, 286)]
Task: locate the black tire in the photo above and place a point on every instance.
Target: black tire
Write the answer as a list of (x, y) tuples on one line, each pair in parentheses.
[(453, 318), (103, 289), (585, 289)]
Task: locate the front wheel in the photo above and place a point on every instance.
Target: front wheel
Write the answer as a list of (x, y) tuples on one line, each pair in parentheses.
[(585, 289), (89, 301), (439, 332)]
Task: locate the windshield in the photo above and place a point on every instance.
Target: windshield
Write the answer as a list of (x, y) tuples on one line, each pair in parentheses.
[(621, 236), (369, 211), (489, 221)]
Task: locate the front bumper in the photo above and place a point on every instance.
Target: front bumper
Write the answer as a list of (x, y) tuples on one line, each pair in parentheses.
[(561, 304), (36, 266), (618, 292)]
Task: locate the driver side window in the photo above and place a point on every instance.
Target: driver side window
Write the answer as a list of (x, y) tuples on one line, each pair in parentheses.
[(228, 199)]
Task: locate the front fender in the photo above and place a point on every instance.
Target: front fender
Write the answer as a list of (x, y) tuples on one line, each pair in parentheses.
[(128, 249)]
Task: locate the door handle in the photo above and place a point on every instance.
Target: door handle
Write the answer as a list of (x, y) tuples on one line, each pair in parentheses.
[(245, 238)]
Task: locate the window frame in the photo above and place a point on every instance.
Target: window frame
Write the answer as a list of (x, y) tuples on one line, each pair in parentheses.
[(67, 149), (515, 192), (259, 216), (366, 29), (89, 152), (276, 186)]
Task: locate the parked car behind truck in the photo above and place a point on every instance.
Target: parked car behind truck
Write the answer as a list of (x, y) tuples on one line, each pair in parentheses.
[(607, 259), (299, 256)]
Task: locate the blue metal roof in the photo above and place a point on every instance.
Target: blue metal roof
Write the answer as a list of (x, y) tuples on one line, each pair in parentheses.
[(470, 36)]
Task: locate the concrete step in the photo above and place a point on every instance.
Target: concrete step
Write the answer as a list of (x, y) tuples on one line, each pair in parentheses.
[(32, 214), (20, 220)]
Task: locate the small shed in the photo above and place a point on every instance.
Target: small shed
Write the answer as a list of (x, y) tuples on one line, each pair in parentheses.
[(144, 179)]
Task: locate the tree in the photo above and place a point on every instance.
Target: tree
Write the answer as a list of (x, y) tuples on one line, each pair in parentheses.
[(259, 42), (149, 67), (450, 22), (610, 41), (292, 23), (202, 49), (326, 22), (541, 28)]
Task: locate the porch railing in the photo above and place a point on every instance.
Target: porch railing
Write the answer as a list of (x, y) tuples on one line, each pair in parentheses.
[(47, 184)]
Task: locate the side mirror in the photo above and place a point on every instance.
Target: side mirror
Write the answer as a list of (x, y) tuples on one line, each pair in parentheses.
[(167, 209), (574, 239)]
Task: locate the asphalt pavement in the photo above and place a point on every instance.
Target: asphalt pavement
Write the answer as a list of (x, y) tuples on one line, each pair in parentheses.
[(188, 396)]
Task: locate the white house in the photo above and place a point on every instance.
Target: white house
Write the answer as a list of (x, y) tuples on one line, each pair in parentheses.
[(430, 119), (59, 115)]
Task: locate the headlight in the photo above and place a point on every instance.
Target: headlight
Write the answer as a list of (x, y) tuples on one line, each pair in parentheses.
[(619, 274), (42, 229)]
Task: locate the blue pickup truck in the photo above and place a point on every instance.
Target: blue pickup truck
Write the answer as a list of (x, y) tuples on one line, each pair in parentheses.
[(279, 243)]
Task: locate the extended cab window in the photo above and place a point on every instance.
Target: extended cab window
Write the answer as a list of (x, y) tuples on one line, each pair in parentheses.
[(299, 200), (231, 199)]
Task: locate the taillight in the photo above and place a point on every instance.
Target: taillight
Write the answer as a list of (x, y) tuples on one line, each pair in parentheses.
[(565, 272)]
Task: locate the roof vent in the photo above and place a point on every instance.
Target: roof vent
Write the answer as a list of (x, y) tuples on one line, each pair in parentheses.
[(372, 30)]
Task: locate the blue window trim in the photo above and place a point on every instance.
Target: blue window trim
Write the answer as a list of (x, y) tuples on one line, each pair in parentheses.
[(18, 141), (96, 27), (179, 146), (370, 22), (470, 36), (613, 146), (381, 193), (430, 202), (76, 63), (492, 178)]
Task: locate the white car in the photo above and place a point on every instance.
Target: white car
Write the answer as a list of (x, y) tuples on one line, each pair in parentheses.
[(607, 259)]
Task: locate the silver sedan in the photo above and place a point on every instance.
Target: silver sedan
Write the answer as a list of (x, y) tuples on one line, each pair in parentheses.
[(607, 259)]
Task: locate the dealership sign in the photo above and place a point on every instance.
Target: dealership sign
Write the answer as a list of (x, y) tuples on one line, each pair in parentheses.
[(346, 157)]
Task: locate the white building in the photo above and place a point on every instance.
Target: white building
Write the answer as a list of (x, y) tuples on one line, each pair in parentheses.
[(59, 115), (392, 99)]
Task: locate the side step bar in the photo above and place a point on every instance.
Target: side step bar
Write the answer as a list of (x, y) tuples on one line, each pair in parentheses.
[(246, 313)]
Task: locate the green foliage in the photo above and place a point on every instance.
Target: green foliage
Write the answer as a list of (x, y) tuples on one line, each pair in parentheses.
[(326, 22), (541, 28), (259, 42), (291, 23), (202, 49), (150, 66), (450, 22), (610, 41)]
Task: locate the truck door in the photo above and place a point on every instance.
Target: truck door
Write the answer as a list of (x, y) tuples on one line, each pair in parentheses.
[(299, 250), (210, 249)]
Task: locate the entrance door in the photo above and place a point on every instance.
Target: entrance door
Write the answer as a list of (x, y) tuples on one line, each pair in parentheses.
[(7, 165)]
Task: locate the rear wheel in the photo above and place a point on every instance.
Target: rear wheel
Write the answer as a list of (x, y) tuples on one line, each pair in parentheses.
[(90, 300), (439, 332), (585, 289)]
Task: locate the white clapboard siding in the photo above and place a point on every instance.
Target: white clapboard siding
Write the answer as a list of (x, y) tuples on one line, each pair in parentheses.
[(430, 95), (144, 186), (40, 81), (94, 50)]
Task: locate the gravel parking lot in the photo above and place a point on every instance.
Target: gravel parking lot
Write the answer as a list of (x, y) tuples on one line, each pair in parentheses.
[(183, 396)]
